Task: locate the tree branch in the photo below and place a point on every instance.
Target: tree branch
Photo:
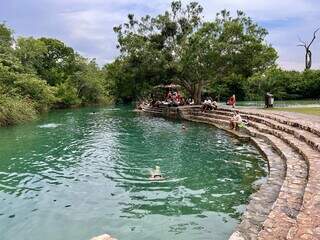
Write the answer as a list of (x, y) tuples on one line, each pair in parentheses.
[(314, 37), (302, 43)]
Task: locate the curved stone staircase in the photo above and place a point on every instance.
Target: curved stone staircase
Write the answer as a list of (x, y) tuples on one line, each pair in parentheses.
[(287, 206)]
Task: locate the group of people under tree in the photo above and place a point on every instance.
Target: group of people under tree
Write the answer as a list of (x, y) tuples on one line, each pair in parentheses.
[(172, 97)]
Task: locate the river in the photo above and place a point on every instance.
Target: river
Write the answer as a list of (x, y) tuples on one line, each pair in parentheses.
[(74, 174)]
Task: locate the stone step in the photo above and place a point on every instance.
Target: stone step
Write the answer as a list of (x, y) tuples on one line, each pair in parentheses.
[(198, 110), (308, 137), (307, 225), (152, 110), (296, 212), (286, 207), (261, 202), (204, 119), (218, 123), (212, 115), (297, 123)]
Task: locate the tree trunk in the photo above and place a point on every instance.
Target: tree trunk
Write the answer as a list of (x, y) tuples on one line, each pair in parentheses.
[(195, 90), (308, 59), (197, 93)]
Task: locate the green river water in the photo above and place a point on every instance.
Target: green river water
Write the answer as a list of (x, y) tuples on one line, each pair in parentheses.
[(75, 174)]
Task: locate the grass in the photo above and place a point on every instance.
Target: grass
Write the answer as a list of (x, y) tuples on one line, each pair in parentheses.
[(305, 110)]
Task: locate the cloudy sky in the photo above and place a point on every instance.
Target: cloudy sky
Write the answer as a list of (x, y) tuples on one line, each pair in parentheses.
[(86, 25)]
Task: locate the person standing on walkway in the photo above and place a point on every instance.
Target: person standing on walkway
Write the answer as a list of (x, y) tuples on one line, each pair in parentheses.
[(232, 101)]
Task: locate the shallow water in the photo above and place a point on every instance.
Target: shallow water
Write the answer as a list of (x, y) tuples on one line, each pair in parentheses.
[(79, 173)]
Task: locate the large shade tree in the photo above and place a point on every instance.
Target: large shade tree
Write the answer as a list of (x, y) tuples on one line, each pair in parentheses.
[(229, 50), (180, 46), (151, 47)]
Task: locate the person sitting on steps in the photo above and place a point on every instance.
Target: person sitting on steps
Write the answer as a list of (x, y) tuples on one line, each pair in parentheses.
[(208, 104), (235, 121)]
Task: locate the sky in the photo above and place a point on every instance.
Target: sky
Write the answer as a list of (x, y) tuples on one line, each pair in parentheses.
[(87, 25)]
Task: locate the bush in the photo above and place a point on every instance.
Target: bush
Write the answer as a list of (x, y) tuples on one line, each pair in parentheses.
[(67, 95), (36, 89), (37, 74), (14, 110), (311, 83)]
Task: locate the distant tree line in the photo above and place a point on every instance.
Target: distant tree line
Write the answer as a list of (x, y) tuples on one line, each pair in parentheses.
[(224, 56), (38, 74), (285, 85)]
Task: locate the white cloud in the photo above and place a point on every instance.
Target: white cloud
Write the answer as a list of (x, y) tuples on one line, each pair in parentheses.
[(265, 10), (89, 25)]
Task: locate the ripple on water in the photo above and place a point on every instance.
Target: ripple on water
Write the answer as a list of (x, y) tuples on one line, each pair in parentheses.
[(49, 125)]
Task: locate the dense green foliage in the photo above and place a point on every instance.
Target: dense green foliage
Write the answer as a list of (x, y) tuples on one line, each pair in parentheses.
[(38, 74), (284, 84)]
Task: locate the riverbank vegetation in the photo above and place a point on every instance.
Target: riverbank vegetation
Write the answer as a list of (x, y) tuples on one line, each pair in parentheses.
[(44, 73), (227, 54), (222, 56), (284, 84)]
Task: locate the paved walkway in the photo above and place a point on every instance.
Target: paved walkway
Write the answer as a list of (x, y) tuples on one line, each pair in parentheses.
[(306, 119)]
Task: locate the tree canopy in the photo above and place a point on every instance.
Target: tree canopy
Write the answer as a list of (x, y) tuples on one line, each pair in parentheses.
[(180, 46), (38, 74)]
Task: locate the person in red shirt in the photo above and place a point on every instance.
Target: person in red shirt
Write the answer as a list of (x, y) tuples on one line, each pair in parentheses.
[(232, 101), (178, 97)]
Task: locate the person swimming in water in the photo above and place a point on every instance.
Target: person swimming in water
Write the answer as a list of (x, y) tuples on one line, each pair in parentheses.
[(156, 174)]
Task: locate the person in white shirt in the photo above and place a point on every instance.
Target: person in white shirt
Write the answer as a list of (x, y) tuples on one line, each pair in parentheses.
[(209, 104), (235, 121)]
